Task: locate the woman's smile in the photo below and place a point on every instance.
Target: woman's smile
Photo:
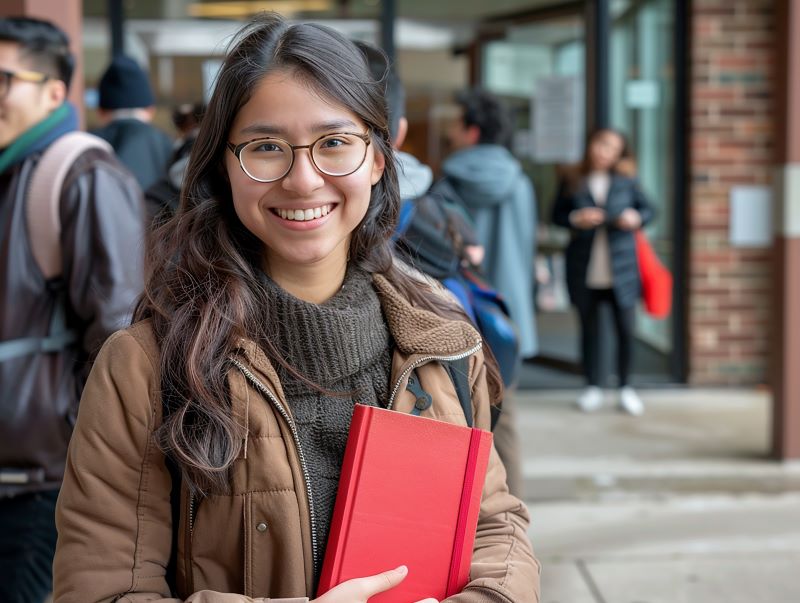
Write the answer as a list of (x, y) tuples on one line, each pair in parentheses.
[(303, 218)]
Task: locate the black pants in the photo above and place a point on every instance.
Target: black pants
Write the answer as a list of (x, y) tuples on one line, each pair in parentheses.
[(624, 319), (27, 547)]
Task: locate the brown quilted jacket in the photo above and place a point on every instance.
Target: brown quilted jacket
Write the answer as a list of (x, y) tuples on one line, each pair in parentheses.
[(114, 514)]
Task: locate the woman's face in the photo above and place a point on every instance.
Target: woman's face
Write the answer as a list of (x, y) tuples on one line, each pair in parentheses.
[(324, 210), (605, 150)]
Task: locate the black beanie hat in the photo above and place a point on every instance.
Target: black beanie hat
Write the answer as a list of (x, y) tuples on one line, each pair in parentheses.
[(124, 85)]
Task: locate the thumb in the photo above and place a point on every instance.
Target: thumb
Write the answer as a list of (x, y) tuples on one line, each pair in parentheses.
[(372, 585)]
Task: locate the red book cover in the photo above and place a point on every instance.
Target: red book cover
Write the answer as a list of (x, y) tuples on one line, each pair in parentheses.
[(409, 494)]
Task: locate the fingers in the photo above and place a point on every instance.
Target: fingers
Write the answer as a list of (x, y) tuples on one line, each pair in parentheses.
[(428, 601)]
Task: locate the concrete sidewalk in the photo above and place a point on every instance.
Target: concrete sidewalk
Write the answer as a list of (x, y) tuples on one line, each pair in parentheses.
[(679, 506)]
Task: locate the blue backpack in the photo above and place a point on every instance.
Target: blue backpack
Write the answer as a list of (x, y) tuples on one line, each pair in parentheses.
[(428, 237)]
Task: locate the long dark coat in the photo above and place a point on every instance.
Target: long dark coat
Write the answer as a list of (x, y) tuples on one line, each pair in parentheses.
[(623, 193)]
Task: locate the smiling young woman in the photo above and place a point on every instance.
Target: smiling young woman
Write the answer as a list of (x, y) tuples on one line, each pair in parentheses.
[(273, 305)]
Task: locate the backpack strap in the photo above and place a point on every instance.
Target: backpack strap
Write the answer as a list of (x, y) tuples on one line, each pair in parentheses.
[(58, 335), (459, 373), (458, 370), (43, 203), (176, 480), (43, 207)]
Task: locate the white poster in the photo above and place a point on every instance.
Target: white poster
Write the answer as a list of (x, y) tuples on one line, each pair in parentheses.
[(558, 119)]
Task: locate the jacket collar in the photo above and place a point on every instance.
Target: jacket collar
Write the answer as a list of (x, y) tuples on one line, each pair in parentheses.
[(419, 331)]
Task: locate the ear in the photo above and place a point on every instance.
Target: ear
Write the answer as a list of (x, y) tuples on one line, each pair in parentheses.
[(55, 92), (402, 130), (378, 165), (473, 134)]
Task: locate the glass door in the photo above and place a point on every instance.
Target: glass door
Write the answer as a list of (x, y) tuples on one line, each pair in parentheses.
[(539, 69), (643, 107)]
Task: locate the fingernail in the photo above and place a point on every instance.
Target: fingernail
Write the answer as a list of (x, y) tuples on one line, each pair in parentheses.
[(402, 569)]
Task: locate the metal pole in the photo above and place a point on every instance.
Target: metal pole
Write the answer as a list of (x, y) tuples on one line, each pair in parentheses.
[(679, 364), (602, 64), (116, 19), (388, 17)]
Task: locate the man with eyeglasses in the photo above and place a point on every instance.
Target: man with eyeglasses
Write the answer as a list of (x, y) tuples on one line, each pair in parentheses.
[(100, 274)]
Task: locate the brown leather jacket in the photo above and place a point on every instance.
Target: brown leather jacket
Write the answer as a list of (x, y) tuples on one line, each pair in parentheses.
[(114, 514), (102, 222)]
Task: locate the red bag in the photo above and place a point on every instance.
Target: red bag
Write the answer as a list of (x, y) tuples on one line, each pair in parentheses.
[(656, 279)]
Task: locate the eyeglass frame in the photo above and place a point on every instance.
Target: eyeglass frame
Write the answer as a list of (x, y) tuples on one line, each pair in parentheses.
[(35, 77), (237, 151)]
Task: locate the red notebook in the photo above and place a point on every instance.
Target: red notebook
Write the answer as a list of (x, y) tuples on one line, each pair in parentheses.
[(409, 494)]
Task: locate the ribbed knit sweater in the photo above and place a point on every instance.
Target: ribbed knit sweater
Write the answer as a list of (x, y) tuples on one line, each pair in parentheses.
[(342, 345)]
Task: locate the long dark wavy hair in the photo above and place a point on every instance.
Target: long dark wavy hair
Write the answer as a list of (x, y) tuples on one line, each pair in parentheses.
[(202, 290)]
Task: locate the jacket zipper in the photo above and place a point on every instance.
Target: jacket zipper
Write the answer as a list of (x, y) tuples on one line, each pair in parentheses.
[(277, 404), (191, 515), (188, 545), (425, 360)]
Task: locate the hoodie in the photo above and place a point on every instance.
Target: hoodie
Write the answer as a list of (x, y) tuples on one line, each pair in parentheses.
[(414, 177), (500, 199)]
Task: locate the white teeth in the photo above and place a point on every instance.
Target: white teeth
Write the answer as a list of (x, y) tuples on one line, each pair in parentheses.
[(302, 215)]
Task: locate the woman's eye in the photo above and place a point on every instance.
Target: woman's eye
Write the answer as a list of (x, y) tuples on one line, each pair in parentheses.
[(332, 143), (267, 147)]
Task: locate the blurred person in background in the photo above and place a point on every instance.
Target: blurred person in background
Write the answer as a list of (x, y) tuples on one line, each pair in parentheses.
[(491, 185), (164, 195), (483, 177), (602, 204), (126, 108), (50, 328)]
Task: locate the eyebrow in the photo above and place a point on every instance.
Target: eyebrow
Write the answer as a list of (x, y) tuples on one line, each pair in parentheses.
[(262, 129)]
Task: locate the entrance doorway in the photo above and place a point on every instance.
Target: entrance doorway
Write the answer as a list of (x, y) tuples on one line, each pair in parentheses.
[(538, 65)]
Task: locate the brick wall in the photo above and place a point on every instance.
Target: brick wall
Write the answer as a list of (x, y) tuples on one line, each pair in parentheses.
[(731, 143)]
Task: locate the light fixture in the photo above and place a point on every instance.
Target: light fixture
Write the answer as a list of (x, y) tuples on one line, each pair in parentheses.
[(238, 10)]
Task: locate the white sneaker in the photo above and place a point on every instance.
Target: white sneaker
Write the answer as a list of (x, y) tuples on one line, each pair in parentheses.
[(630, 402), (590, 399)]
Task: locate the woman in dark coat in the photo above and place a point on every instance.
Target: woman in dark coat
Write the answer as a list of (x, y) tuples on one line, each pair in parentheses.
[(602, 205)]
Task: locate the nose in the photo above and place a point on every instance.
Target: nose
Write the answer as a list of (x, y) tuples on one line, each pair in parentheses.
[(303, 178)]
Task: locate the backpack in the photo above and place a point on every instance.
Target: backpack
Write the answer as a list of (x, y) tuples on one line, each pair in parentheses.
[(426, 234), (430, 235), (43, 207)]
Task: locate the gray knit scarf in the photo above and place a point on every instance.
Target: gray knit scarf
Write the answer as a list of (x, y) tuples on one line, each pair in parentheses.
[(342, 345)]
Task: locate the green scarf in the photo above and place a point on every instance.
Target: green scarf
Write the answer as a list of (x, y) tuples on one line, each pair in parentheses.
[(28, 140)]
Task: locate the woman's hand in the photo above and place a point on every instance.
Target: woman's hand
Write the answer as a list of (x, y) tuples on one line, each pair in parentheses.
[(474, 254), (359, 590), (629, 219), (587, 218)]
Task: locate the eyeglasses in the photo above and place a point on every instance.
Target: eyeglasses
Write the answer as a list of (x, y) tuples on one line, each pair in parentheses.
[(25, 76), (270, 159)]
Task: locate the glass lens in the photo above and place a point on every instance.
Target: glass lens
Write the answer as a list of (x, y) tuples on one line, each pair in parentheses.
[(339, 154), (266, 160)]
